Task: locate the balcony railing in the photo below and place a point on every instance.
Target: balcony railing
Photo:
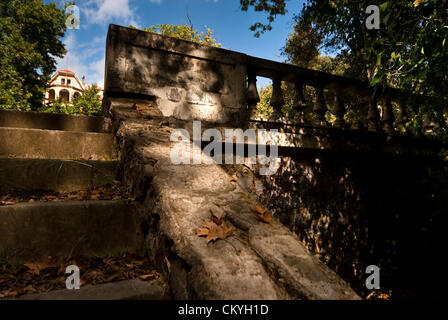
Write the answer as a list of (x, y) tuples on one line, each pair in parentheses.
[(321, 82)]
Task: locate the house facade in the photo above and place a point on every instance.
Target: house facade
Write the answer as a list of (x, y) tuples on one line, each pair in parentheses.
[(65, 84)]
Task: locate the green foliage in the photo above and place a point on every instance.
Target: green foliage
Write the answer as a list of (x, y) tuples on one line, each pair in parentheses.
[(183, 32), (89, 104), (272, 7), (302, 45), (30, 34), (409, 51)]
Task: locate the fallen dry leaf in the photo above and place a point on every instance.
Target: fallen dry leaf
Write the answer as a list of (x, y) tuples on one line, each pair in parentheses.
[(213, 232), (138, 108), (30, 289), (262, 214), (148, 276), (112, 277), (95, 273), (6, 203), (33, 268), (37, 267), (215, 219), (12, 294)]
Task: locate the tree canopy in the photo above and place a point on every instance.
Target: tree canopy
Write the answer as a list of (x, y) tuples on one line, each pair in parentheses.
[(183, 32), (30, 39), (409, 51)]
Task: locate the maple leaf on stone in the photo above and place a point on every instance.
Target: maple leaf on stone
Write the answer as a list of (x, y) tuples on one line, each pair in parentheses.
[(262, 214), (213, 232)]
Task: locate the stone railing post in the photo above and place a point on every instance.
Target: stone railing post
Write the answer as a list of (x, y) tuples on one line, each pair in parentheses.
[(299, 102), (388, 118), (277, 100), (339, 110), (402, 116), (252, 96), (320, 107), (373, 116)]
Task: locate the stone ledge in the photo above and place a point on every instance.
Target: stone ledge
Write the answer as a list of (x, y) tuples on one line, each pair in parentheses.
[(52, 121), (54, 144), (54, 174), (68, 229), (122, 290)]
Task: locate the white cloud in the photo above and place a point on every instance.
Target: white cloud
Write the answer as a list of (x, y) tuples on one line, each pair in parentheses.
[(71, 60), (77, 58), (102, 11), (97, 72)]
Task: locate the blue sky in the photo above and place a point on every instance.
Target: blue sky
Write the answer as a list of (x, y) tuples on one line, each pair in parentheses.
[(86, 45)]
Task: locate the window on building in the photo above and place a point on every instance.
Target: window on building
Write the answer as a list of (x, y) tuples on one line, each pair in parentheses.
[(68, 81), (62, 81)]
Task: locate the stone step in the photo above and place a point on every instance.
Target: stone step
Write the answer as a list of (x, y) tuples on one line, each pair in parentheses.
[(28, 175), (134, 289), (52, 121), (29, 231), (54, 144)]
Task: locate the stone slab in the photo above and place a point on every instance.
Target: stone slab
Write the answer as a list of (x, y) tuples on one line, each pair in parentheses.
[(122, 290), (29, 231), (55, 174), (54, 144), (52, 121)]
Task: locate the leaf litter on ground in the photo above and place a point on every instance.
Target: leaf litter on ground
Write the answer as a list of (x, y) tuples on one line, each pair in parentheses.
[(48, 273), (101, 193)]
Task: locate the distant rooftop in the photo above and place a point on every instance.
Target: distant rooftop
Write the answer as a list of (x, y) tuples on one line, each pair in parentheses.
[(66, 70)]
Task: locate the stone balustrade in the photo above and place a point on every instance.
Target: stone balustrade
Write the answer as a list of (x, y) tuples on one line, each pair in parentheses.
[(190, 81), (321, 82)]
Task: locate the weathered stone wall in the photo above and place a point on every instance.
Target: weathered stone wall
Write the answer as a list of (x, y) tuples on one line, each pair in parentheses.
[(187, 80), (354, 211)]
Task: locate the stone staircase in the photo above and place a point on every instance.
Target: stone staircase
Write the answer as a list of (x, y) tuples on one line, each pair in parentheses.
[(54, 153), (258, 261)]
